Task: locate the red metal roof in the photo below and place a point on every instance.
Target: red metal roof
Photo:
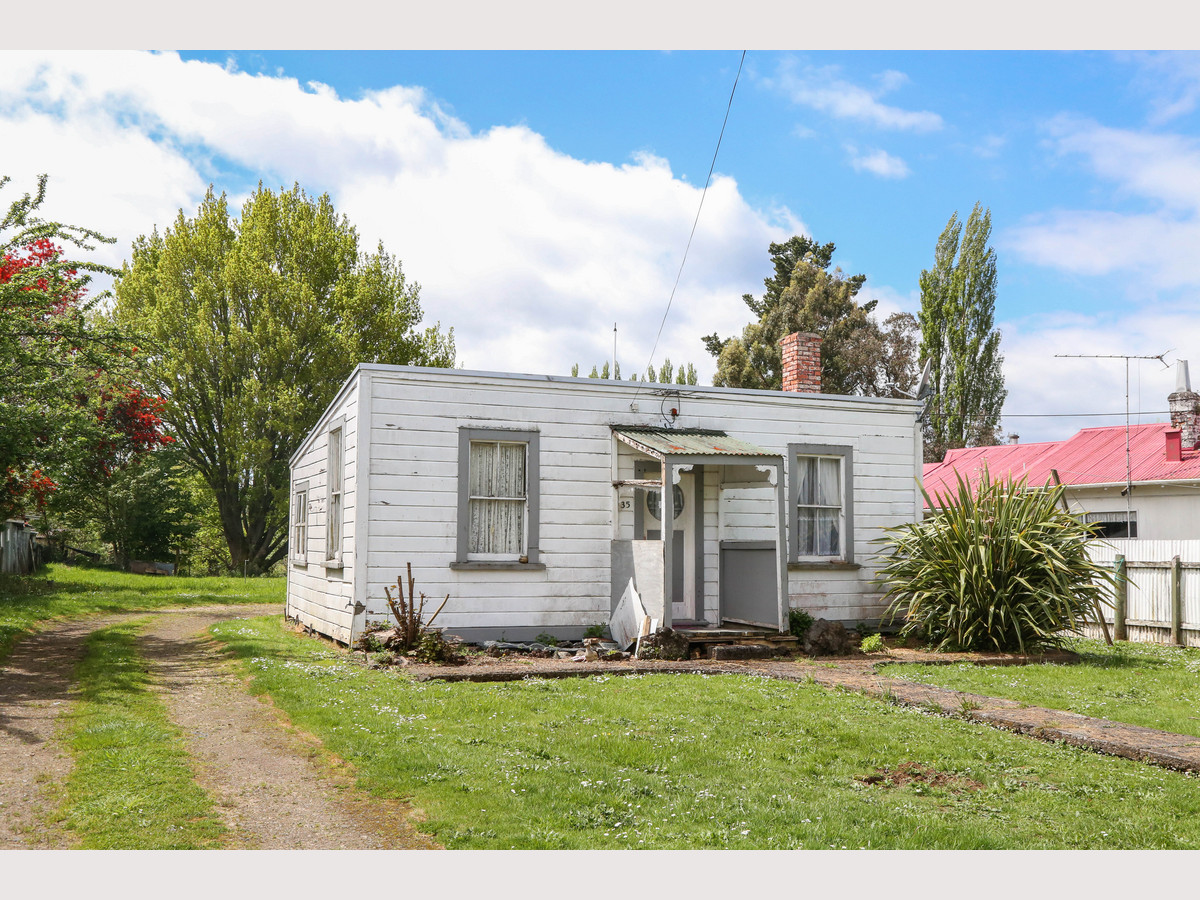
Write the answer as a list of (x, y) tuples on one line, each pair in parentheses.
[(1093, 456)]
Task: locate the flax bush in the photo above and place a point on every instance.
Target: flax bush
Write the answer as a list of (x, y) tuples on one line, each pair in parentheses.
[(1002, 567)]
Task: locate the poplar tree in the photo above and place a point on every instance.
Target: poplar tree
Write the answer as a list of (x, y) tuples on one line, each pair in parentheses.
[(958, 302), (251, 326)]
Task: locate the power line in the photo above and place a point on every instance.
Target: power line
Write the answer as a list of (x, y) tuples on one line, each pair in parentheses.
[(1143, 412), (695, 221)]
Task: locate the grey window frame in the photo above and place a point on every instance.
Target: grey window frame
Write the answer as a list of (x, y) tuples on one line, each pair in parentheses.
[(846, 453), (532, 439), (335, 475), (299, 520)]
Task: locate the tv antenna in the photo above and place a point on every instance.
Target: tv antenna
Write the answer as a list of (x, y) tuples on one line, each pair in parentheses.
[(1128, 492)]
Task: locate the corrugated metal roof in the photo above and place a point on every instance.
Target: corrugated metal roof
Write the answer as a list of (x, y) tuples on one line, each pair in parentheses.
[(688, 442), (1092, 456)]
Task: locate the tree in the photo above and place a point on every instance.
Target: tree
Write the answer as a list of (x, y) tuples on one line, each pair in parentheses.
[(142, 510), (252, 325), (958, 301), (857, 355), (666, 374), (63, 371)]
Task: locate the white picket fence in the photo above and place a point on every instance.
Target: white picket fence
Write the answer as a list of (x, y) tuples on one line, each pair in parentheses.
[(1150, 615)]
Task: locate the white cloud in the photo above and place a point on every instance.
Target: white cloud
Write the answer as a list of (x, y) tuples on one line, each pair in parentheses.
[(529, 253), (1153, 247), (1171, 79), (821, 88), (877, 162)]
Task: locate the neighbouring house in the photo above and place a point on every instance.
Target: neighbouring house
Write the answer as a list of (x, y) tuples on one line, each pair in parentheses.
[(535, 501), (1153, 493)]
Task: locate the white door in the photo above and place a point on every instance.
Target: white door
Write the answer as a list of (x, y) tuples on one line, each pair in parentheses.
[(684, 547)]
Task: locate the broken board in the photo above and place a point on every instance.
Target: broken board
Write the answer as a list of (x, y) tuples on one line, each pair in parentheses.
[(625, 626)]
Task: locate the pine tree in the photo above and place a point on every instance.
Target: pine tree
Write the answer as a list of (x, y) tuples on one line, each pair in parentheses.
[(958, 302)]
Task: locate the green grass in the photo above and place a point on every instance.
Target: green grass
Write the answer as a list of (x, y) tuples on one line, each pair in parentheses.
[(63, 592), (131, 787), (689, 761), (1152, 685)]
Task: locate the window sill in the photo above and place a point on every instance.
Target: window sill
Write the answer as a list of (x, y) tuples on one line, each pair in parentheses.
[(333, 564), (300, 562), (825, 565), (496, 564)]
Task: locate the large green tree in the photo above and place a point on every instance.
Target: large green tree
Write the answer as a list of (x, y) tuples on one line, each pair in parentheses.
[(858, 356), (252, 325), (959, 337)]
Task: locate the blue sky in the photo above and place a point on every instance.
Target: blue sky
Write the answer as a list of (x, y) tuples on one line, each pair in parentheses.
[(540, 196)]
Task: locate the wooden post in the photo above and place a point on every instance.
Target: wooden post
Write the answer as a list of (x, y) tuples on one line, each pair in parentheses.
[(1176, 602), (1121, 599)]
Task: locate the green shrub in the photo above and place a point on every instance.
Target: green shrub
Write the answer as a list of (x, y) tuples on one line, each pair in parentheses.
[(548, 639), (1002, 567), (599, 630), (799, 621), (871, 643)]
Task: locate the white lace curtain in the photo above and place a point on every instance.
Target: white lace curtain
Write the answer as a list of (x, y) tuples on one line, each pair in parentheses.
[(819, 506), (498, 497)]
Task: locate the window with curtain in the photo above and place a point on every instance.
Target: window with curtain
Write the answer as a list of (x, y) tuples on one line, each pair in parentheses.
[(821, 485), (498, 499), (498, 502), (819, 506)]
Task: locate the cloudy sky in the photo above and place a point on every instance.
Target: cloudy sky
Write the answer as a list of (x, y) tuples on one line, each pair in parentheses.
[(541, 197)]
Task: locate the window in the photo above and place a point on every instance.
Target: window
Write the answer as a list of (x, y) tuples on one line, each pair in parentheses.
[(333, 520), (300, 522), (821, 514), (1113, 524), (497, 496)]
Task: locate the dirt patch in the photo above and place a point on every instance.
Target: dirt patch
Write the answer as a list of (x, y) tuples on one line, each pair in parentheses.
[(915, 773), (274, 787)]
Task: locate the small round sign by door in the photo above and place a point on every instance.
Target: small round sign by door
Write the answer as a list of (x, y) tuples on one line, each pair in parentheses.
[(653, 503)]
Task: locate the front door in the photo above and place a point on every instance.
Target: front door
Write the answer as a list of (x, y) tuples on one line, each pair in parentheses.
[(680, 509)]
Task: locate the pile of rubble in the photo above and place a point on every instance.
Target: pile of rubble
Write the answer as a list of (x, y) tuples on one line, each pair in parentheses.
[(588, 650)]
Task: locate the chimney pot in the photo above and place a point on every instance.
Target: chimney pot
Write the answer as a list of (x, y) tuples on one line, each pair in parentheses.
[(1174, 445), (802, 362)]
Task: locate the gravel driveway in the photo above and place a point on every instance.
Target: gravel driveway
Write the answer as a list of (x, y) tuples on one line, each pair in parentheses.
[(271, 785)]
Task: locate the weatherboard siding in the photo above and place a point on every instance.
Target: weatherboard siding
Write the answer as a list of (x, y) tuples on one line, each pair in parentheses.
[(412, 493), (319, 595)]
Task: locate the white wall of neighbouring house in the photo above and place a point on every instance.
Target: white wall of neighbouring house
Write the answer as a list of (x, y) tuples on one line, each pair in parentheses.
[(1165, 512)]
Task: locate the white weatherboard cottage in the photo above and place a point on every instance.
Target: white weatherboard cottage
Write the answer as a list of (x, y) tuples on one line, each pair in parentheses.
[(535, 500)]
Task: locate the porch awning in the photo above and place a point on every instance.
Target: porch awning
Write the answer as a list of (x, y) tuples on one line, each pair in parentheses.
[(663, 442)]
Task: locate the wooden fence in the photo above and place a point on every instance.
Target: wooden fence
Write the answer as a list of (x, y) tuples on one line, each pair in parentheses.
[(1158, 593), (19, 552)]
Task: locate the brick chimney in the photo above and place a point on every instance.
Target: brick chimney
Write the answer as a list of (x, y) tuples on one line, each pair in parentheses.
[(1184, 404), (802, 362)]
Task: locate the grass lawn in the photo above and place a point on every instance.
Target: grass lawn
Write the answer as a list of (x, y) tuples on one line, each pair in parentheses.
[(131, 787), (61, 592), (690, 761), (1152, 685)]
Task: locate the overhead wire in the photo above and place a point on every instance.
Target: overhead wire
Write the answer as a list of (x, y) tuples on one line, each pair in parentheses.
[(696, 220)]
